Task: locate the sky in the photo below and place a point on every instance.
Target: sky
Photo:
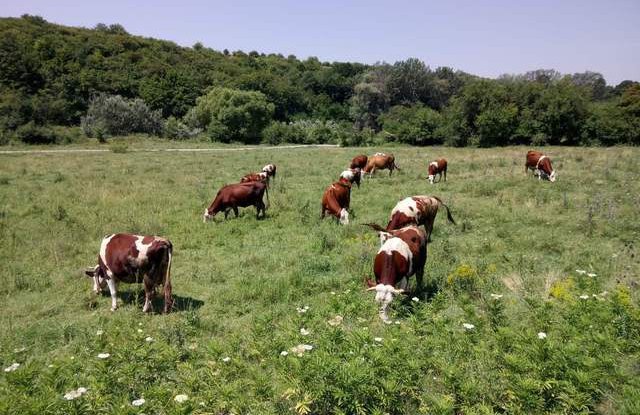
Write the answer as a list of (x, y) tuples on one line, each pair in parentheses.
[(486, 38)]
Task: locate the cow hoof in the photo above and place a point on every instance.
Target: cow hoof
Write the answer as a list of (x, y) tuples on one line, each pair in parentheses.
[(114, 308)]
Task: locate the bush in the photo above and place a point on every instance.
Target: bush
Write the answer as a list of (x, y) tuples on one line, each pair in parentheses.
[(176, 129), (415, 125), (31, 133), (306, 132), (110, 115)]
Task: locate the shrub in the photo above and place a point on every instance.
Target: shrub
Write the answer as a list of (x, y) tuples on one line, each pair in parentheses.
[(176, 129), (464, 278), (416, 125), (115, 115), (31, 133), (305, 132), (561, 290)]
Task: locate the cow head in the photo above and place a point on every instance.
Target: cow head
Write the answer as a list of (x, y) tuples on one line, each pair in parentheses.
[(553, 176), (384, 296), (99, 282), (207, 216), (344, 217), (357, 175)]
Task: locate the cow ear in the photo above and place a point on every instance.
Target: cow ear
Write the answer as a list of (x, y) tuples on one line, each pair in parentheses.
[(91, 272)]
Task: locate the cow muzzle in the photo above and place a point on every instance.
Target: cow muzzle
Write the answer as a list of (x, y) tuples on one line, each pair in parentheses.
[(431, 177), (206, 216), (552, 176)]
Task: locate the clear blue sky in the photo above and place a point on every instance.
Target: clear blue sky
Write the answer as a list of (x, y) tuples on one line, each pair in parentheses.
[(485, 38)]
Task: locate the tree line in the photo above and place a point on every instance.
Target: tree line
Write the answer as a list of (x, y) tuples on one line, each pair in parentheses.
[(112, 83)]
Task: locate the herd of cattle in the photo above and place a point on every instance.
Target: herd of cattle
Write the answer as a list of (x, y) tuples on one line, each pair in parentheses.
[(403, 242)]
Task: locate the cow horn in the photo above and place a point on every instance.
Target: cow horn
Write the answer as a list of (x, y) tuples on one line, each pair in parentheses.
[(398, 290), (371, 289)]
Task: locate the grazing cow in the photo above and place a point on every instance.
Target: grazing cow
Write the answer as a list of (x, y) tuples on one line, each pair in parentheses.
[(133, 259), (380, 161), (541, 166), (415, 210), (270, 169), (255, 177), (359, 162), (438, 167), (353, 175), (335, 200), (403, 254), (232, 196)]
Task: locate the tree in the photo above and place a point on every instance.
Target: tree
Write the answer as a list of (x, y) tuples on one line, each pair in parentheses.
[(415, 125), (232, 115)]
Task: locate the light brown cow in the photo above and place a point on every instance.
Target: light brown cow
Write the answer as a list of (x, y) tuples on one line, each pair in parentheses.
[(380, 161), (541, 166), (335, 200), (438, 167), (133, 259)]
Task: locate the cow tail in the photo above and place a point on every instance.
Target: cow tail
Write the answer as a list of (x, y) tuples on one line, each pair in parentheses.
[(449, 217), (266, 190), (168, 298), (375, 226)]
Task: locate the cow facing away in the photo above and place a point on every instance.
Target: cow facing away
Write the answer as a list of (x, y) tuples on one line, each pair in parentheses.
[(133, 259), (403, 254), (352, 175), (438, 167), (541, 166), (336, 199), (359, 162), (232, 196), (380, 161)]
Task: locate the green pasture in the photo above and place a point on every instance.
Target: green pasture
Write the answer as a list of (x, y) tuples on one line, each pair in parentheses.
[(508, 268)]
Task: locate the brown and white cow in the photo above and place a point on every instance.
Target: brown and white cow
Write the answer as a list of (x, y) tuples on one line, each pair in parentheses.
[(255, 177), (418, 210), (336, 199), (541, 166), (380, 161), (270, 169), (130, 259), (232, 196), (359, 162), (403, 254), (353, 175), (438, 167)]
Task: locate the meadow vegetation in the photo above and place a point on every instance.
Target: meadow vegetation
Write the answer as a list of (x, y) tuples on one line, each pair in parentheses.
[(531, 302)]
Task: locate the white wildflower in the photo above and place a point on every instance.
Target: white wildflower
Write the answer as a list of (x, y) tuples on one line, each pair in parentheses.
[(301, 348), (12, 368), (542, 335), (148, 339), (50, 366), (181, 398), (284, 353), (581, 271), (396, 322), (468, 326), (139, 330), (496, 296), (336, 321), (584, 297), (99, 333), (304, 331), (19, 350), (415, 299), (138, 402), (302, 310), (333, 293), (104, 355), (592, 274), (377, 339), (226, 359)]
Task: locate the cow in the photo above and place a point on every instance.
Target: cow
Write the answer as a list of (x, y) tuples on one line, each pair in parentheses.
[(403, 254), (270, 169), (336, 199), (541, 166), (255, 177), (232, 196), (438, 167), (359, 162), (131, 259), (380, 161), (353, 175)]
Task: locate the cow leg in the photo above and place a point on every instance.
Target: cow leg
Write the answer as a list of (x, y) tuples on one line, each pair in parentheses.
[(235, 210), (111, 283), (226, 213), (419, 278), (149, 291), (96, 285), (260, 207), (445, 175), (429, 228), (322, 213)]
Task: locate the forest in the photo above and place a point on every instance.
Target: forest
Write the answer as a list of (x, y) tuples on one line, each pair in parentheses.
[(60, 83)]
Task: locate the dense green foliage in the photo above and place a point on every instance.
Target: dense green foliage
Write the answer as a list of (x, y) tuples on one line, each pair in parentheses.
[(238, 284), (49, 74)]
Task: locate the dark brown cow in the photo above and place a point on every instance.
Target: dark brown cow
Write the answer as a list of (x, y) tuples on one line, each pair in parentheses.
[(335, 200), (255, 177), (353, 175), (541, 166), (403, 254), (359, 162), (133, 259), (380, 161), (438, 167), (232, 196)]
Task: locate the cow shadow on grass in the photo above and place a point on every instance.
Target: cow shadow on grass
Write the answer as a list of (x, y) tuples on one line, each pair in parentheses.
[(407, 305), (180, 303)]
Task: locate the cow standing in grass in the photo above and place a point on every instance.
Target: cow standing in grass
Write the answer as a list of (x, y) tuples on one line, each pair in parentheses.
[(232, 196), (541, 166), (359, 162), (438, 167), (402, 254), (133, 259), (336, 199), (380, 161), (270, 170)]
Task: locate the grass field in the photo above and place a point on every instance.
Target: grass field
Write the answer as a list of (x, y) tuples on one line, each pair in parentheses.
[(508, 268)]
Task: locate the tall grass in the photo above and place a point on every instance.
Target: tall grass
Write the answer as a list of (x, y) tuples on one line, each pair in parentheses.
[(238, 284)]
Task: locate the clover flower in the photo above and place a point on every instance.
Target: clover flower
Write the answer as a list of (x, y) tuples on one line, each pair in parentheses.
[(301, 348), (71, 395), (138, 402), (496, 296), (104, 355), (542, 335), (226, 359), (12, 367), (468, 326), (336, 321), (181, 398), (148, 339), (284, 353), (415, 299), (304, 332)]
